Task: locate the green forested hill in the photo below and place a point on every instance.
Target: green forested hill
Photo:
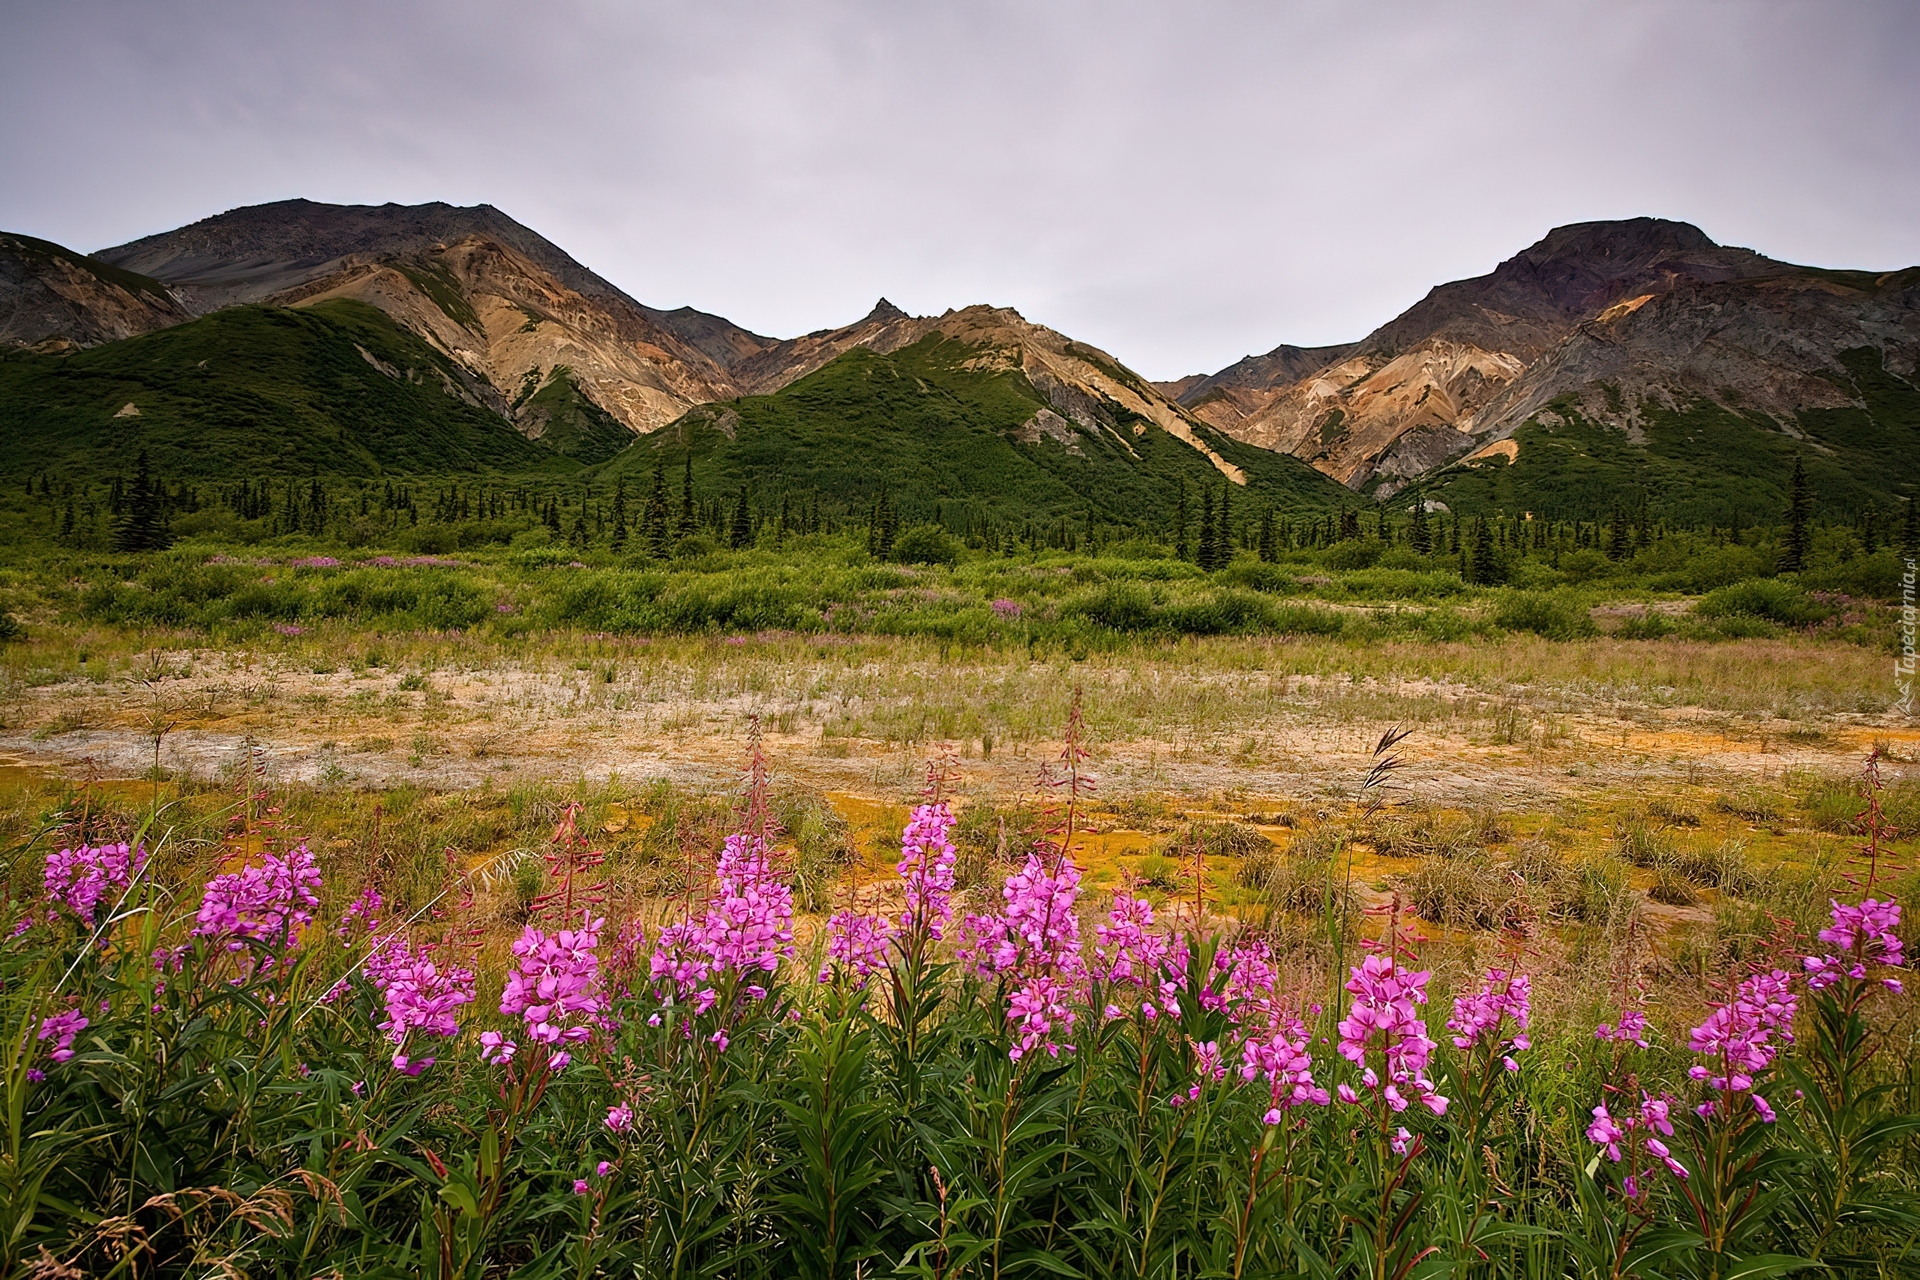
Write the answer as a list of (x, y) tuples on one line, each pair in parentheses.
[(929, 428), (257, 393), (1705, 464)]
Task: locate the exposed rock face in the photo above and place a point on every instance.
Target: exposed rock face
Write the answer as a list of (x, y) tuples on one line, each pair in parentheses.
[(52, 297), (1653, 309)]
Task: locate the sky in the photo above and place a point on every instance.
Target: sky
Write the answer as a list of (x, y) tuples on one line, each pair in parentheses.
[(1180, 183)]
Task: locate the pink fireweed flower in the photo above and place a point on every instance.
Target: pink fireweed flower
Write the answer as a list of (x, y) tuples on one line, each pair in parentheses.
[(1631, 1028), (61, 1028), (619, 1118), (747, 926), (79, 878), (1040, 939), (270, 903), (1128, 952), (1739, 1036), (1282, 1058), (1400, 1141), (419, 997), (1382, 1020), (1866, 935), (495, 1049), (1644, 1130), (580, 1187), (1479, 1016), (556, 990), (857, 944), (927, 857)]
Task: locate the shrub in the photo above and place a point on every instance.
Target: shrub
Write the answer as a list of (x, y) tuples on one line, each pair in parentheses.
[(1765, 599), (925, 544), (1543, 615)]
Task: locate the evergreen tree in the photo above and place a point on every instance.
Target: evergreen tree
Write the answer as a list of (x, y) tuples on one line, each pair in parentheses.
[(1617, 544), (1793, 551), (1223, 537), (1209, 534), (657, 522), (1268, 549), (686, 499), (1349, 525), (1180, 522), (142, 524), (620, 508), (1485, 567), (1910, 533), (740, 529), (1419, 533)]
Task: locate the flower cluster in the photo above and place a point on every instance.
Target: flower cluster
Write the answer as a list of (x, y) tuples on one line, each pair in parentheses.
[(1382, 1020), (1643, 1132), (1038, 938), (555, 989), (1739, 1037), (857, 943), (748, 926), (1867, 934), (1629, 1028), (79, 878), (419, 996), (60, 1028), (1479, 1016), (270, 903), (1283, 1059), (926, 867), (1128, 952)]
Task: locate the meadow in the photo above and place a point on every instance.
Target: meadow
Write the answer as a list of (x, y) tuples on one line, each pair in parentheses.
[(466, 902)]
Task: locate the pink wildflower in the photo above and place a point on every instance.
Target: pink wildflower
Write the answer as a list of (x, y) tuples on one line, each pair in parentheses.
[(748, 924), (495, 1049), (79, 878), (926, 866), (1866, 935), (1479, 1016), (419, 997), (61, 1028), (857, 943), (619, 1118), (555, 990), (269, 903), (1644, 1131), (1382, 1020), (1739, 1035), (1631, 1028), (1288, 1067)]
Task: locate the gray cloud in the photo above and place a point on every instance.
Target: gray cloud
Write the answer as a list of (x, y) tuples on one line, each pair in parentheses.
[(1181, 183)]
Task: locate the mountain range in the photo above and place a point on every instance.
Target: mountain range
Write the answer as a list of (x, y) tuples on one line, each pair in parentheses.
[(1608, 357)]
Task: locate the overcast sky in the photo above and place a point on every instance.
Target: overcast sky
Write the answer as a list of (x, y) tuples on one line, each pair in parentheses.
[(1180, 183)]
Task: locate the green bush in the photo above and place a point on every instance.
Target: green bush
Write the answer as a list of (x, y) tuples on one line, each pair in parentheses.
[(1543, 615), (1767, 599), (925, 544)]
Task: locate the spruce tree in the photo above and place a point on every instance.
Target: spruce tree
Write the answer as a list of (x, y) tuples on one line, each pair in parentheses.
[(1180, 521), (142, 524), (1793, 551), (1485, 567), (1349, 525), (620, 508), (1209, 534), (1910, 533), (740, 530), (1419, 533), (1617, 545), (1268, 550), (1223, 539), (686, 499), (657, 522)]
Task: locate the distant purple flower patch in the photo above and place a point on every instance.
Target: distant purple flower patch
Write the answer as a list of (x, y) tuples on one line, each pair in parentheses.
[(314, 562), (1006, 608), (288, 628)]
